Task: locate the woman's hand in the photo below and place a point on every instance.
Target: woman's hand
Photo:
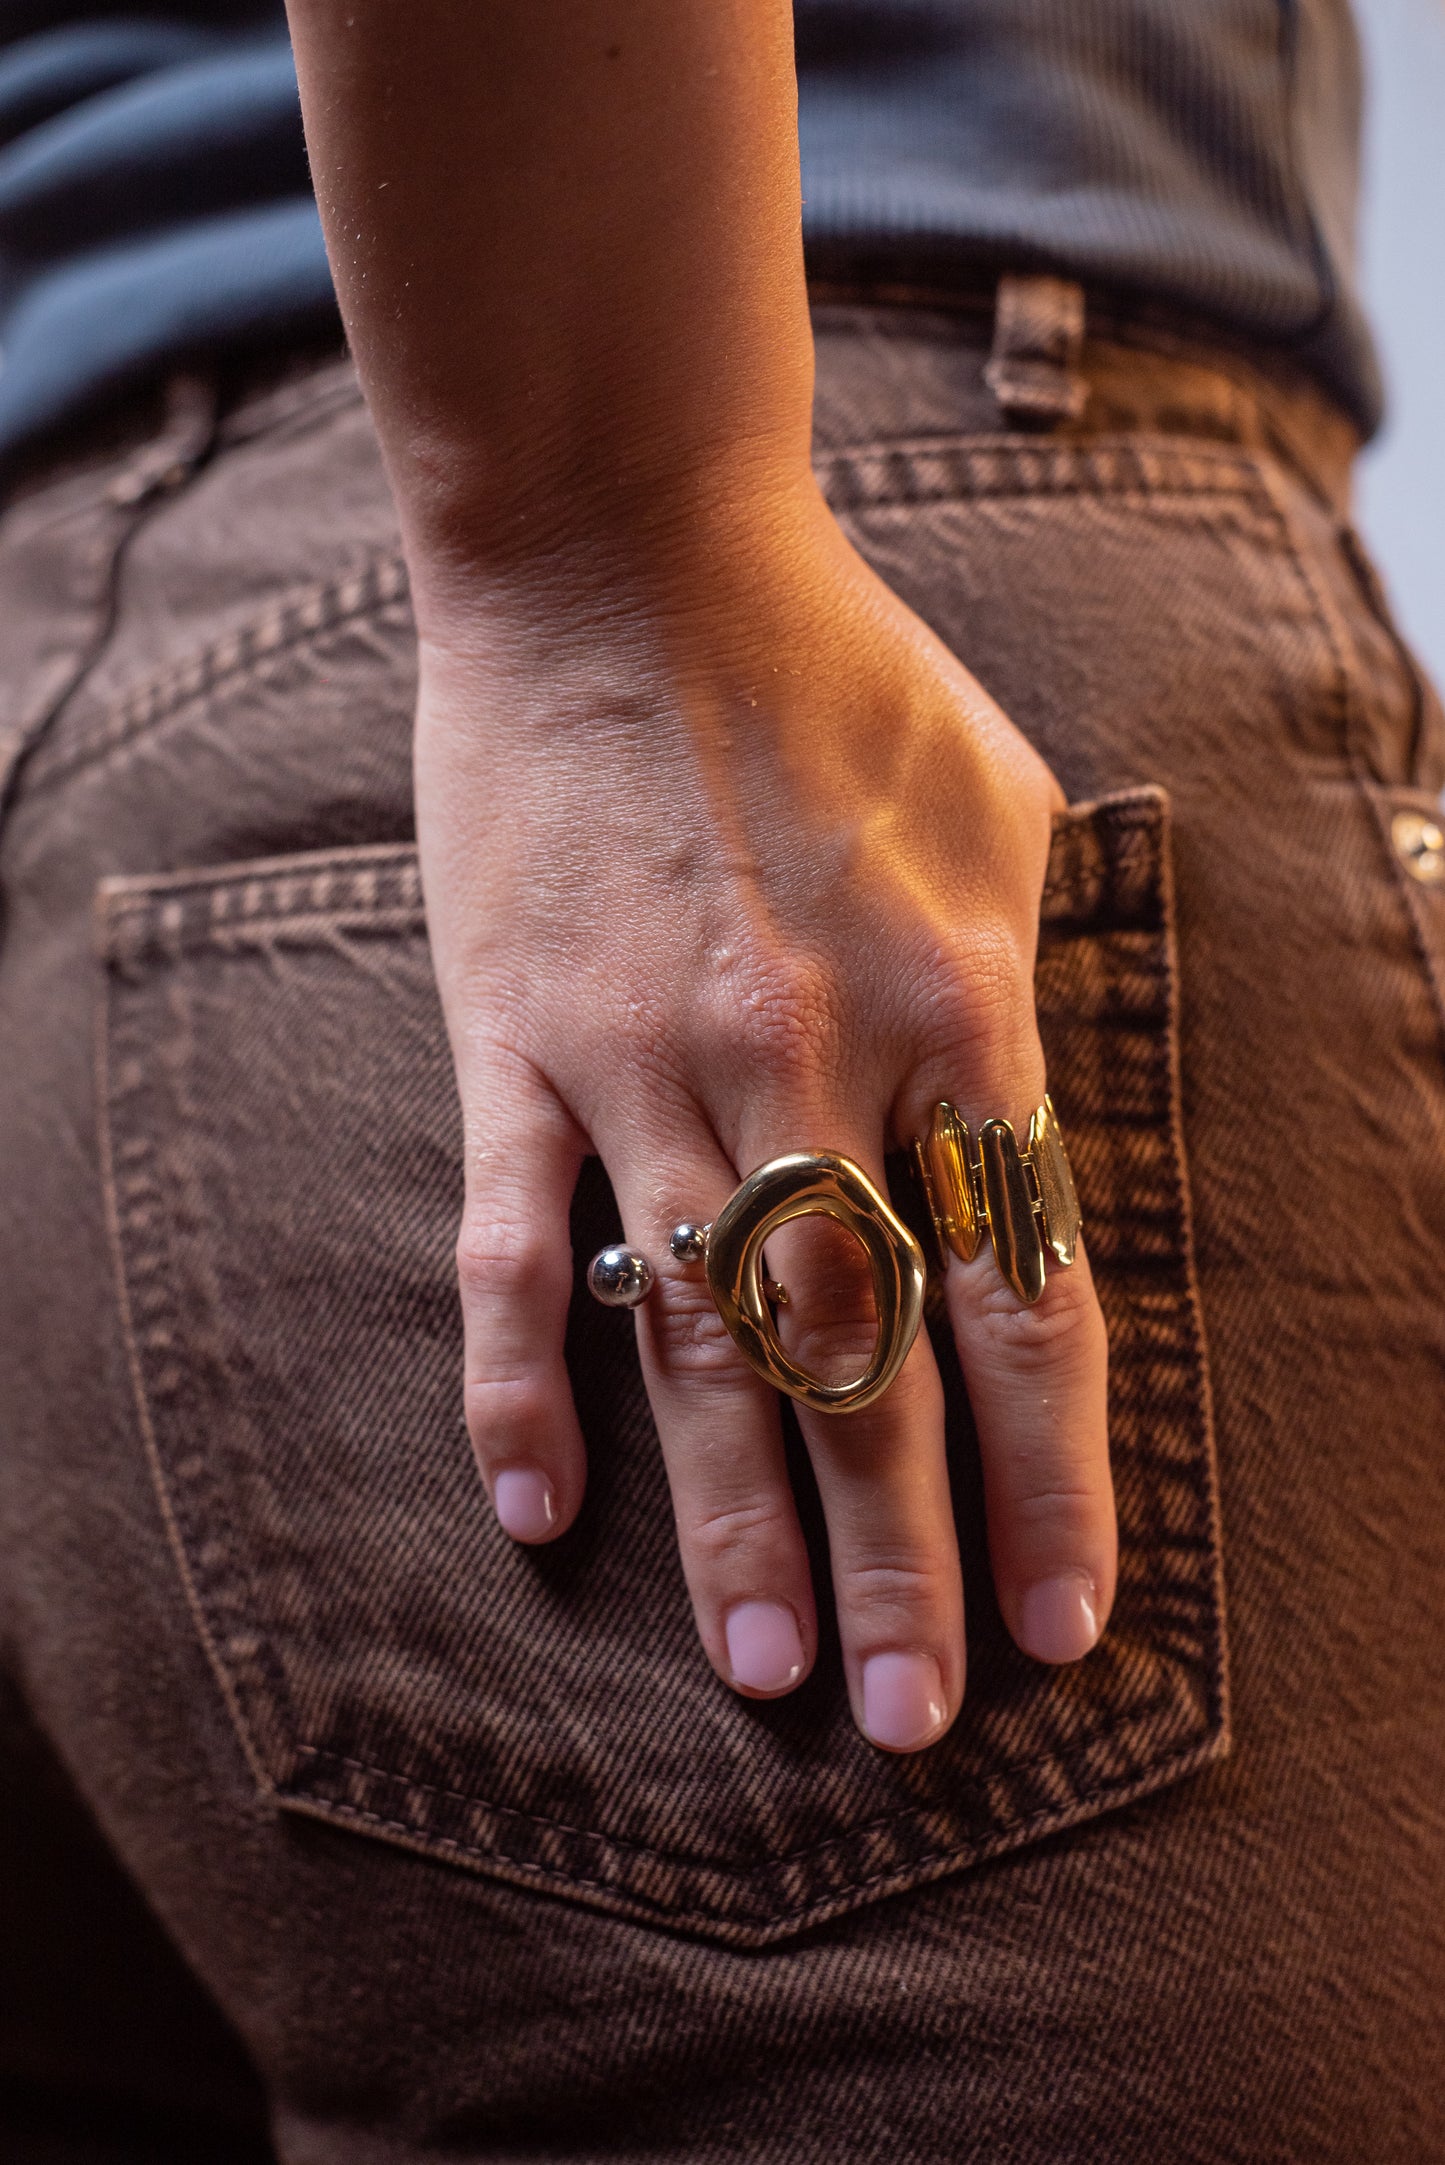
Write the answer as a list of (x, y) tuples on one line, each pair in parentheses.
[(726, 856)]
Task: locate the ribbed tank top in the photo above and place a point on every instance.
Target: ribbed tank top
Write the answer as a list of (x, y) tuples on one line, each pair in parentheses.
[(1199, 156)]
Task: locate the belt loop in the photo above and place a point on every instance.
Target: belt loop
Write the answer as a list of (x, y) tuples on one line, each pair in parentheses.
[(187, 434), (94, 549), (1038, 340)]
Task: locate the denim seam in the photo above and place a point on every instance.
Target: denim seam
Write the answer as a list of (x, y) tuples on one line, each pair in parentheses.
[(289, 622), (1134, 845), (286, 624), (1412, 900), (377, 885), (900, 1877), (301, 407), (781, 1923), (191, 1532), (148, 914), (146, 1263), (134, 487), (974, 468), (1354, 733), (1200, 1373), (1144, 1711)]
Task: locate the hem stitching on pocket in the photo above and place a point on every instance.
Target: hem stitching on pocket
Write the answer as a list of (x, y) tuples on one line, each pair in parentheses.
[(966, 468), (1144, 1711), (148, 1261), (165, 916), (901, 1877)]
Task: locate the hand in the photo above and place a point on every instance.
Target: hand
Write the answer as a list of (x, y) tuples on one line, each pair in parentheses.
[(725, 855)]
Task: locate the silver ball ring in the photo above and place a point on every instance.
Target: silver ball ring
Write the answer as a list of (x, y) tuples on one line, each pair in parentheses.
[(619, 1277)]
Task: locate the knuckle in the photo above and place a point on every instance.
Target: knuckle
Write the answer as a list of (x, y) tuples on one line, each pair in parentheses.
[(717, 1533), (1063, 1330), (1048, 1507), (835, 1346), (830, 1325), (786, 1019), (976, 1011), (501, 1407), (637, 1037), (900, 1585), (996, 1015), (501, 1262), (948, 1008)]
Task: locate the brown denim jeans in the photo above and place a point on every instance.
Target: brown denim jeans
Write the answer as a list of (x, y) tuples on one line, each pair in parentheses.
[(337, 1828)]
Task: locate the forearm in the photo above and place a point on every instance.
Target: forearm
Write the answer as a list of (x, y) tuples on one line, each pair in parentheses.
[(566, 238)]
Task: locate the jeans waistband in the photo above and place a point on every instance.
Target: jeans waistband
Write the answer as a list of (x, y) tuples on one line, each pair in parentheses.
[(1034, 354), (1040, 355)]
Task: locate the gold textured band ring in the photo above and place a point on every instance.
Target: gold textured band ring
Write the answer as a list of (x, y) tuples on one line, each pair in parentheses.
[(1024, 1199)]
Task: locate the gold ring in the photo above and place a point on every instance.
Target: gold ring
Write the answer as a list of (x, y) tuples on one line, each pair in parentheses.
[(800, 1185), (797, 1186), (1024, 1199)]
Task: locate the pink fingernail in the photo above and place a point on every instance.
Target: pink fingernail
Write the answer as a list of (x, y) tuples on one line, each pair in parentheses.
[(524, 1503), (765, 1646), (903, 1702), (1058, 1620)]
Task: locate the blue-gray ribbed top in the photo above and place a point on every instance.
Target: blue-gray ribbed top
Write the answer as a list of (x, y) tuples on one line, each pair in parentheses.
[(1200, 154)]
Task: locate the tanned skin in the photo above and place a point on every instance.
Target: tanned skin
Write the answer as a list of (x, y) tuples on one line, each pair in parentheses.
[(724, 853)]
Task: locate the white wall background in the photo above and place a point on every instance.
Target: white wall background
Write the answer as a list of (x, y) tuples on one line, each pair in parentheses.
[(1401, 504)]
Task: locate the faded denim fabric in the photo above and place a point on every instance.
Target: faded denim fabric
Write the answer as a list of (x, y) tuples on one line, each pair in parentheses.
[(462, 1849)]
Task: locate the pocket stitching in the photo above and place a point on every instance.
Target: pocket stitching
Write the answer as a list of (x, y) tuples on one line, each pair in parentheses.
[(289, 623), (689, 1861), (901, 1877), (148, 1260), (179, 912), (981, 468)]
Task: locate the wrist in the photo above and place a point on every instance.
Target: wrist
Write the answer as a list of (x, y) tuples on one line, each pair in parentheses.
[(656, 541)]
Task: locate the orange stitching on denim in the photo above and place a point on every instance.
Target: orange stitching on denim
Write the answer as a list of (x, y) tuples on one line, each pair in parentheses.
[(1131, 1717), (902, 1876)]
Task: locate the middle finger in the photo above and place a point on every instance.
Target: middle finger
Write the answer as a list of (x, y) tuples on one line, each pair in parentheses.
[(882, 1471)]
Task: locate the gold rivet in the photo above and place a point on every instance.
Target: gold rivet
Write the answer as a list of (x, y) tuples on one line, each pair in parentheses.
[(1420, 846)]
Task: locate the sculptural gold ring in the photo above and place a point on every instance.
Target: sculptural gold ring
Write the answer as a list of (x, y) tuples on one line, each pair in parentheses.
[(730, 1250), (1024, 1199)]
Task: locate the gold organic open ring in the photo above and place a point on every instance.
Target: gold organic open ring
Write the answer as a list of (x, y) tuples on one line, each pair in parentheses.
[(1024, 1199), (799, 1185)]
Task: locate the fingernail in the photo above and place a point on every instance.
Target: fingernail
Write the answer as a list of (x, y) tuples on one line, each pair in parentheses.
[(903, 1702), (524, 1503), (765, 1646), (1058, 1621)]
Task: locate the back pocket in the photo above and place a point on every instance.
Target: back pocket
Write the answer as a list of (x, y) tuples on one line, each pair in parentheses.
[(283, 1145)]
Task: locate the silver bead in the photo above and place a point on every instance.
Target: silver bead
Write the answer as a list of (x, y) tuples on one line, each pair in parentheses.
[(688, 1242), (619, 1277)]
